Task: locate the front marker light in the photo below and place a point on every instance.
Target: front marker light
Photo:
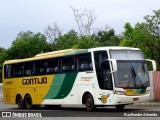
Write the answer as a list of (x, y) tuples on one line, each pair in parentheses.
[(119, 92)]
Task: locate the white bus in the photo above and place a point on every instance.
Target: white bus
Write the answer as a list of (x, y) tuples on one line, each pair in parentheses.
[(114, 76)]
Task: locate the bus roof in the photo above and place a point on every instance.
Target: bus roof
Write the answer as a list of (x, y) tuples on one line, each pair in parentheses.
[(114, 48), (49, 55), (65, 53)]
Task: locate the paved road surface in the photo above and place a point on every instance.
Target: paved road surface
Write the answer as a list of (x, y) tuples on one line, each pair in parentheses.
[(80, 111)]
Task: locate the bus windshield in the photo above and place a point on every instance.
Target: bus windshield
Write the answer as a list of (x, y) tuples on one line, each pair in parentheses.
[(132, 71), (131, 74)]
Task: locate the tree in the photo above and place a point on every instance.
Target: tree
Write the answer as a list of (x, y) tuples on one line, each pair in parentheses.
[(107, 38), (86, 42), (84, 19), (152, 24), (67, 40), (28, 44), (53, 32), (3, 55), (128, 36), (146, 36)]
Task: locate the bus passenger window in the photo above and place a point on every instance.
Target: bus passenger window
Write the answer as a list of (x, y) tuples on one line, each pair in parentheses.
[(40, 67), (7, 71), (68, 64), (86, 66), (50, 70), (28, 73), (16, 70), (28, 68), (52, 66), (41, 70), (84, 62)]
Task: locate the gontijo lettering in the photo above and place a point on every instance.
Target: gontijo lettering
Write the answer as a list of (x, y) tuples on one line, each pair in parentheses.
[(31, 81)]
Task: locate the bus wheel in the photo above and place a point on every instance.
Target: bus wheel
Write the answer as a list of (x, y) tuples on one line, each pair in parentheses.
[(28, 102), (20, 103), (89, 103), (120, 107)]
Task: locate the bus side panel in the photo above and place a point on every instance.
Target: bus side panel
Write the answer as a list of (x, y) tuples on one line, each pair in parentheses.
[(86, 83), (9, 91), (72, 98), (35, 86), (60, 89), (46, 98), (71, 88), (8, 95), (28, 90), (42, 90)]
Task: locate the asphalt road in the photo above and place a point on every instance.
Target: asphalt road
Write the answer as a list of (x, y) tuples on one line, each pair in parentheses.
[(80, 111)]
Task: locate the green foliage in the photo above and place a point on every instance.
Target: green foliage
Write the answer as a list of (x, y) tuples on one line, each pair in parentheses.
[(145, 36), (86, 42), (28, 44), (108, 38), (3, 55), (66, 41)]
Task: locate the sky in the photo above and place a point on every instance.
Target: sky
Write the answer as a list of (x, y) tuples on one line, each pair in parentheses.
[(36, 15)]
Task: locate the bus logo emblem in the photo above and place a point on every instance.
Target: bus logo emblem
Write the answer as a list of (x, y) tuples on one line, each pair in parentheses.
[(104, 98)]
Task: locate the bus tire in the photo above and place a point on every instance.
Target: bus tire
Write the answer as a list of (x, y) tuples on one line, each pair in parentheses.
[(120, 107), (28, 101), (20, 103), (89, 102)]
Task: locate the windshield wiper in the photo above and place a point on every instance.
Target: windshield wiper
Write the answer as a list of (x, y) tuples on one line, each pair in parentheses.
[(135, 75)]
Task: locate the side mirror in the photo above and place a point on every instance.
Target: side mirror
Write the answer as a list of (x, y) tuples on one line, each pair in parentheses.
[(153, 64), (114, 65)]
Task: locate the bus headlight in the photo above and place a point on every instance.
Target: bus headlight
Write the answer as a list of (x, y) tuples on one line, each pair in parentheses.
[(148, 91), (119, 92)]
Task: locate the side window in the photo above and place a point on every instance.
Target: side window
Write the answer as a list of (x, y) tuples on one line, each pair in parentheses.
[(68, 64), (103, 70), (84, 62), (28, 68), (7, 71), (17, 70), (100, 57), (40, 67), (52, 66)]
